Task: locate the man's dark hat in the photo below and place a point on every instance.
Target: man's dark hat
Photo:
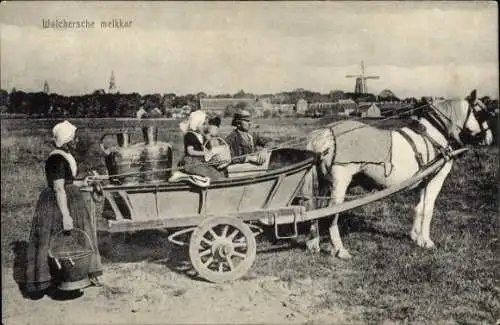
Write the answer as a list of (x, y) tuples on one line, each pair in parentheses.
[(241, 116)]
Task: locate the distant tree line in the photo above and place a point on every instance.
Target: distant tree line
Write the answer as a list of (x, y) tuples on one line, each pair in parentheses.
[(101, 104), (97, 104)]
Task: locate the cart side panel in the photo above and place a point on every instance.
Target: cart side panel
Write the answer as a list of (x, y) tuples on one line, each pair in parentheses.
[(223, 199), (237, 198), (178, 204), (286, 189), (143, 206), (256, 195)]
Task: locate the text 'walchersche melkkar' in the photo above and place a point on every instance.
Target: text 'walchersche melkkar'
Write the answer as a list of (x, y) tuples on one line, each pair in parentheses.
[(115, 23)]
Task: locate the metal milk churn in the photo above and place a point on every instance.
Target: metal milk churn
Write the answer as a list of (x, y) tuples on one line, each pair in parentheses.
[(144, 162), (156, 157)]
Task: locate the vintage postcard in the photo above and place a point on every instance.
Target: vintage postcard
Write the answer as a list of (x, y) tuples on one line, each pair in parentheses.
[(296, 162)]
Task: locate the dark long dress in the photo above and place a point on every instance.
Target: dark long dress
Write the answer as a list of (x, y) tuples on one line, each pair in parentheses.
[(47, 221), (196, 165)]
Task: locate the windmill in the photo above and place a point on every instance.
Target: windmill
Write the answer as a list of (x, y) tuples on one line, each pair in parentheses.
[(360, 87)]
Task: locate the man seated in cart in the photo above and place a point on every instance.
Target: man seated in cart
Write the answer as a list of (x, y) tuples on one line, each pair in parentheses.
[(244, 144)]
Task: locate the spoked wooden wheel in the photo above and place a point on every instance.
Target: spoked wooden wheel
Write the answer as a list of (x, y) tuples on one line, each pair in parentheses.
[(222, 249)]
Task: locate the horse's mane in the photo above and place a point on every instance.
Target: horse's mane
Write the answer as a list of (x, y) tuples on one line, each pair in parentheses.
[(453, 110), (320, 140)]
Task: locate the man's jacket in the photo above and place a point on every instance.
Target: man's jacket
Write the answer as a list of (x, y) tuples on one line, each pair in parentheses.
[(243, 143)]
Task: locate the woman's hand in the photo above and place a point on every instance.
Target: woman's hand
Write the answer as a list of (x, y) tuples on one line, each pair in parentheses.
[(67, 223), (62, 203), (91, 178), (192, 152)]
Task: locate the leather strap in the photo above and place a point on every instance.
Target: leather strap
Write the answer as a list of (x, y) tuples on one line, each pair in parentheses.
[(435, 118), (418, 155), (444, 151)]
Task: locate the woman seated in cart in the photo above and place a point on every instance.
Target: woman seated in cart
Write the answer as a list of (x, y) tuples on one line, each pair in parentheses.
[(194, 161)]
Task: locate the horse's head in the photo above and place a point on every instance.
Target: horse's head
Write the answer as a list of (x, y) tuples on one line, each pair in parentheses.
[(476, 128), (466, 120)]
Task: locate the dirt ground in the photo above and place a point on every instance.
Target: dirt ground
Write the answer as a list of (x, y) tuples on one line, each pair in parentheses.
[(148, 293)]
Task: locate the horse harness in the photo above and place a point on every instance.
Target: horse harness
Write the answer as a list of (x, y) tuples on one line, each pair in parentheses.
[(433, 117), (418, 155), (481, 117)]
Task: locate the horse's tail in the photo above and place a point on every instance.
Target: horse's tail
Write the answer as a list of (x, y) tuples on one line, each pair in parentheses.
[(309, 189)]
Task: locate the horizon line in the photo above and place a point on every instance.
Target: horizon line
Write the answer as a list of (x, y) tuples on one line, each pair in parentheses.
[(211, 95)]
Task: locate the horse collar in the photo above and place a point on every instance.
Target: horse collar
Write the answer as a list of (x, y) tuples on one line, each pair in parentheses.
[(422, 130), (434, 118)]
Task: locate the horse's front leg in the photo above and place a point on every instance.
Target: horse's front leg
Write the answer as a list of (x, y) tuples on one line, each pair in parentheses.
[(416, 230), (425, 208), (341, 177)]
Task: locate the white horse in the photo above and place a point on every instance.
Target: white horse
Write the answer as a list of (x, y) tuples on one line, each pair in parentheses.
[(441, 127)]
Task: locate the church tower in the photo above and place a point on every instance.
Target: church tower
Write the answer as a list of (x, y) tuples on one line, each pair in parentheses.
[(112, 84), (46, 87)]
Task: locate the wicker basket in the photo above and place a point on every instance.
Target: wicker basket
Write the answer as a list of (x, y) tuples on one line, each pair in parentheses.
[(220, 155), (73, 265)]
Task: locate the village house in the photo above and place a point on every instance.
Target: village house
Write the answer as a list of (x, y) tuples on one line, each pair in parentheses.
[(324, 109), (301, 106), (156, 112), (345, 107), (219, 105), (369, 110), (180, 113), (284, 108), (140, 113)]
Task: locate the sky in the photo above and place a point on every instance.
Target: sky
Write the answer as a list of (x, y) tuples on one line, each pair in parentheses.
[(417, 48)]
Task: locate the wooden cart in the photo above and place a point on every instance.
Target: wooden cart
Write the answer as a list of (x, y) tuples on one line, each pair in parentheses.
[(221, 217)]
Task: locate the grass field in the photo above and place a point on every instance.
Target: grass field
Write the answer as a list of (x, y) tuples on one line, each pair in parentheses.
[(389, 277)]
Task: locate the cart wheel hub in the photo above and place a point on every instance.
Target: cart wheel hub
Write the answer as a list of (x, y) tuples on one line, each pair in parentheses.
[(223, 249)]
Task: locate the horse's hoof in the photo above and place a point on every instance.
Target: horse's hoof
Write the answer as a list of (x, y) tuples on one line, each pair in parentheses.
[(429, 244), (313, 246), (342, 254), (425, 243), (414, 235), (313, 251)]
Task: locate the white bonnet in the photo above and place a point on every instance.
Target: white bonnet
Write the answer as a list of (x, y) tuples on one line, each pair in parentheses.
[(196, 119), (63, 133)]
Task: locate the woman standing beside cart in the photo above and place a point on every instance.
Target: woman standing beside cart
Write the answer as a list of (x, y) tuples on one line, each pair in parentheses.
[(60, 207)]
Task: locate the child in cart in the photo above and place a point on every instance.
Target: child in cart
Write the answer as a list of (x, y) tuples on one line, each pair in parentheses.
[(212, 133), (217, 149)]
